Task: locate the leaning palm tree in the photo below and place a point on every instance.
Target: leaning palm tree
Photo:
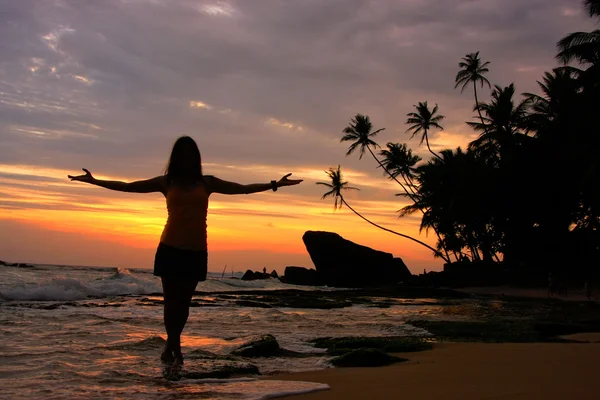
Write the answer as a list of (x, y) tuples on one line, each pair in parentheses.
[(338, 185), (472, 71), (422, 121)]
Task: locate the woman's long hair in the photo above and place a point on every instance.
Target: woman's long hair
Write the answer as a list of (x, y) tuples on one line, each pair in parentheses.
[(185, 163)]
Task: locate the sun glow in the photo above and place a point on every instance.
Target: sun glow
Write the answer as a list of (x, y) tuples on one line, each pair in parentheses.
[(44, 200)]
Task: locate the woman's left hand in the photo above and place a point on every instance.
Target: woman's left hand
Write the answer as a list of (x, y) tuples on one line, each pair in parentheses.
[(288, 182)]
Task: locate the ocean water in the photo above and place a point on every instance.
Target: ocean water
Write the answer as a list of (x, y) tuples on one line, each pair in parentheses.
[(80, 332)]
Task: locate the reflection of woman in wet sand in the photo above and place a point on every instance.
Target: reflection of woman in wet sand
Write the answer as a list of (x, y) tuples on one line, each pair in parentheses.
[(181, 258)]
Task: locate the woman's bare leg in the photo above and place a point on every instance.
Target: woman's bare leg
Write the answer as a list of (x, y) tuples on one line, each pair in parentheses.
[(178, 296), (170, 317)]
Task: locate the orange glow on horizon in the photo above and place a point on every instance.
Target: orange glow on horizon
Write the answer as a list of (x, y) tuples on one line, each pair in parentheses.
[(254, 224)]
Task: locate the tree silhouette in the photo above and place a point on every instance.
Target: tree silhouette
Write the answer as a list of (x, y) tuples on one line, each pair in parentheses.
[(502, 123), (360, 133), (592, 7), (472, 71), (400, 161), (422, 121), (338, 185)]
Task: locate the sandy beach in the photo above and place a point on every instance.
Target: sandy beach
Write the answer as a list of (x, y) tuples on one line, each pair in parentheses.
[(472, 371)]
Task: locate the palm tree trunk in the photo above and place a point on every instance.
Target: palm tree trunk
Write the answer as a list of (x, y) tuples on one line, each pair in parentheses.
[(394, 232), (389, 173), (477, 106), (447, 259), (431, 151)]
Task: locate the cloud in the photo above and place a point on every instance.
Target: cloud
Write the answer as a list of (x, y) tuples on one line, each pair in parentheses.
[(110, 85)]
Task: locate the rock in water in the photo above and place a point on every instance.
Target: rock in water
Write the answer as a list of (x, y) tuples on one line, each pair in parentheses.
[(342, 263), (365, 358), (300, 276), (250, 275), (263, 346)]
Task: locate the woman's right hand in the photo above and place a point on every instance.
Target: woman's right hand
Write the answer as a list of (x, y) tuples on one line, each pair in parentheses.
[(87, 178)]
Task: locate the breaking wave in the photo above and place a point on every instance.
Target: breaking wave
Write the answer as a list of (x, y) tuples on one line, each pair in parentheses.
[(120, 282)]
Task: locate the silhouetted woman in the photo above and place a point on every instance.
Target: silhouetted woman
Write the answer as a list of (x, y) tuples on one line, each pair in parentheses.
[(181, 257)]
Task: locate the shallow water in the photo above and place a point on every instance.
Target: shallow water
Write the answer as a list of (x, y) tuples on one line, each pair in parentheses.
[(97, 333)]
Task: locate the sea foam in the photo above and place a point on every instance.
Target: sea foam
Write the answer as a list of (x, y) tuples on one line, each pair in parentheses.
[(120, 282)]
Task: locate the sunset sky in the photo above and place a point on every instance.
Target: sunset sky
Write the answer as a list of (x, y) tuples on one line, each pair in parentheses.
[(265, 88)]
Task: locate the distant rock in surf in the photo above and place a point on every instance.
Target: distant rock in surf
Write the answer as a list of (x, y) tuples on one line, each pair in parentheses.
[(17, 265), (250, 275), (300, 276), (342, 263)]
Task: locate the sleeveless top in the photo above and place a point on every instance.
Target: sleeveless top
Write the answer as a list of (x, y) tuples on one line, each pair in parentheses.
[(186, 222)]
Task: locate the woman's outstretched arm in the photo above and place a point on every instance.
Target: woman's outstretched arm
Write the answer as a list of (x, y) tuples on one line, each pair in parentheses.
[(145, 186), (225, 187)]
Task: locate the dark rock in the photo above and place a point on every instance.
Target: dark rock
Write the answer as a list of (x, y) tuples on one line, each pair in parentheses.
[(300, 276), (274, 274), (17, 265), (365, 358), (342, 263), (263, 346), (250, 275)]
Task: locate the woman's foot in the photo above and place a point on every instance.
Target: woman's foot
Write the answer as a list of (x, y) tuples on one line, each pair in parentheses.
[(167, 355), (178, 358), (177, 362)]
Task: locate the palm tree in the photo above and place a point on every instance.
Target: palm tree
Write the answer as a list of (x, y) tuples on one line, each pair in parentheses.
[(502, 123), (583, 47), (472, 70), (422, 121), (360, 132), (399, 160), (559, 95), (457, 208), (337, 186)]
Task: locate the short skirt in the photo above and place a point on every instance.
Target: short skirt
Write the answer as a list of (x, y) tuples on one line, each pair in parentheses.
[(180, 263)]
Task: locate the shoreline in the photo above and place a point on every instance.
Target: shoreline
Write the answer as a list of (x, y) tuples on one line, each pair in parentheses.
[(459, 371), (527, 292)]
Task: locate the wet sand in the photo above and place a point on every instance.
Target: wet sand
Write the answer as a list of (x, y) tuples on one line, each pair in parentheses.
[(476, 371), (538, 293)]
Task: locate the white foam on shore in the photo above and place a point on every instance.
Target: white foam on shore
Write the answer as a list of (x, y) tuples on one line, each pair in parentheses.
[(315, 387), (121, 282), (252, 388)]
